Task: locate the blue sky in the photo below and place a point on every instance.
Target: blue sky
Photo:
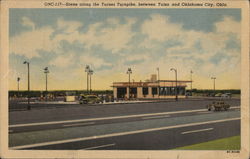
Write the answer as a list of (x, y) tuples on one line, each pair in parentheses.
[(206, 41)]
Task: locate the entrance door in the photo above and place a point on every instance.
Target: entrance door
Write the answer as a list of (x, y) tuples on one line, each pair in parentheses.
[(121, 92), (133, 92)]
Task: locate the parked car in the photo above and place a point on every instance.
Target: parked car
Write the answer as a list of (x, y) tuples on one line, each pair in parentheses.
[(218, 95), (85, 99), (218, 105), (226, 95)]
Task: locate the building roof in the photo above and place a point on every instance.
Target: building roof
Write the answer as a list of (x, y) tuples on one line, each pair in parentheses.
[(161, 83)]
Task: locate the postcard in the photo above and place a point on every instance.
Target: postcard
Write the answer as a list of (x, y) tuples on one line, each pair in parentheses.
[(125, 79)]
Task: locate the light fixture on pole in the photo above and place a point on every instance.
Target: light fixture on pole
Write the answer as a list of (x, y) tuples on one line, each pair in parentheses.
[(90, 74), (129, 71), (191, 72), (18, 80), (46, 71), (28, 66), (214, 78), (158, 70), (175, 70), (87, 68)]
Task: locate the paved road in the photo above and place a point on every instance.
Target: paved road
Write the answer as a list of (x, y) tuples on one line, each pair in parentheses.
[(145, 126)]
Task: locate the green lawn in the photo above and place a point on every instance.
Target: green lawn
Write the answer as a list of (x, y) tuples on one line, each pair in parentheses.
[(230, 143)]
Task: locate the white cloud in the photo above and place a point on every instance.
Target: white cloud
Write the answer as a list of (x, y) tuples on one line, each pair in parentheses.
[(110, 38), (30, 42), (93, 61), (68, 26), (160, 28), (228, 25), (63, 61), (28, 23)]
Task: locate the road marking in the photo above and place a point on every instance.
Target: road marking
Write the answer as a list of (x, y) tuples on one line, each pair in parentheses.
[(155, 117), (107, 118), (204, 112), (119, 134), (194, 131), (91, 148), (78, 124)]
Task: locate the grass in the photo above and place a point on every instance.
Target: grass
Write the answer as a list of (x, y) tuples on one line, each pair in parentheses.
[(230, 143)]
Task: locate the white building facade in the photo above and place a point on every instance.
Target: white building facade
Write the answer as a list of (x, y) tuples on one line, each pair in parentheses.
[(155, 89)]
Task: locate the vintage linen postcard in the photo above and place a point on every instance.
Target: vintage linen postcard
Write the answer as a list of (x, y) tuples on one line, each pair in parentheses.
[(124, 79)]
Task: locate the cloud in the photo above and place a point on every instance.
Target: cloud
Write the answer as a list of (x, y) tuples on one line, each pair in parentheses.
[(159, 27), (113, 38), (63, 61), (28, 23), (30, 42), (95, 62), (68, 26), (228, 25)]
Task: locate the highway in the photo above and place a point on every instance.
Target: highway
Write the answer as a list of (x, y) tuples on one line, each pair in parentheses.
[(134, 126)]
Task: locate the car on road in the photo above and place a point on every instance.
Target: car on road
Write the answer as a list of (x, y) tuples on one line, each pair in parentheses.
[(92, 99), (226, 95), (218, 105)]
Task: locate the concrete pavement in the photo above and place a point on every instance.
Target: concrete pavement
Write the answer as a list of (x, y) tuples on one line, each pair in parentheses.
[(94, 127)]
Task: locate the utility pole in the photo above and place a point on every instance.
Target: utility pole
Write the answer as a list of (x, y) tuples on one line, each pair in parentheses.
[(28, 66), (175, 70), (18, 79), (129, 72), (191, 72), (90, 74), (87, 68), (158, 70), (46, 71), (214, 78)]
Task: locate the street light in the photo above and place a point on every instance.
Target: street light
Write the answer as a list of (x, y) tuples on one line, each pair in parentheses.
[(158, 70), (129, 71), (90, 73), (28, 65), (87, 68), (214, 78), (175, 70), (46, 71), (191, 72), (18, 79)]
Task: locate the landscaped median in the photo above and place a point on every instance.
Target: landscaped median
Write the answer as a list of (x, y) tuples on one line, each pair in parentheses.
[(230, 143)]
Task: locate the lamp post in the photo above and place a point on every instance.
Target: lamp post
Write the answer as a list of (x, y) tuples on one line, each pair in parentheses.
[(18, 79), (90, 74), (87, 68), (214, 78), (28, 66), (46, 71), (175, 70), (191, 72), (158, 70), (129, 71)]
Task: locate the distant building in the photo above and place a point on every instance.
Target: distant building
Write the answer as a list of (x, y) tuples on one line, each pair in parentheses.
[(153, 78), (150, 89)]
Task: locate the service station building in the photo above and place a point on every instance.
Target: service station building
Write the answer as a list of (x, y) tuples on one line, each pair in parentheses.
[(151, 89)]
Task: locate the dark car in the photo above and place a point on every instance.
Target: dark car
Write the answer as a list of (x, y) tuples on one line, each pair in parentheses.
[(85, 99), (218, 105)]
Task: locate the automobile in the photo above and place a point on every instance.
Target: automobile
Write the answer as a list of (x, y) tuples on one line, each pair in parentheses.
[(226, 95), (85, 99), (218, 105), (218, 95)]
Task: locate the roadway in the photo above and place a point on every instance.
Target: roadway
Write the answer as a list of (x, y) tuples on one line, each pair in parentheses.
[(141, 126)]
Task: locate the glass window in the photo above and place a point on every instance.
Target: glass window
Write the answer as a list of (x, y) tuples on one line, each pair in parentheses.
[(154, 90), (145, 90)]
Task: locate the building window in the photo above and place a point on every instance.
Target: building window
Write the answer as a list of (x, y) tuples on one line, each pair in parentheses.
[(145, 90), (154, 90)]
